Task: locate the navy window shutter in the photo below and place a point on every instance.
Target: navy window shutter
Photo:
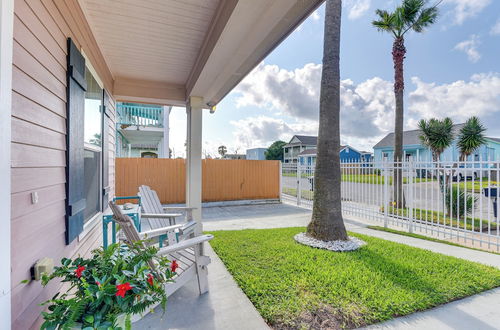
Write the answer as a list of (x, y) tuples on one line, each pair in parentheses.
[(105, 149), (75, 108)]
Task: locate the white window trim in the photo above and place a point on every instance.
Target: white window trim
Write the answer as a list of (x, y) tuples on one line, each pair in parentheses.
[(6, 44), (90, 225)]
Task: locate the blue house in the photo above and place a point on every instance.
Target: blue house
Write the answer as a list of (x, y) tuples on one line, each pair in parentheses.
[(347, 154), (256, 154), (414, 149)]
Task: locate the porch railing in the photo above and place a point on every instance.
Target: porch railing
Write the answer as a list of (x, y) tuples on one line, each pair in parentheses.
[(455, 201), (138, 115)]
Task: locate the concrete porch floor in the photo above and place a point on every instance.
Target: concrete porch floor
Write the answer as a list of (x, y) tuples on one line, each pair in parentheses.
[(225, 306)]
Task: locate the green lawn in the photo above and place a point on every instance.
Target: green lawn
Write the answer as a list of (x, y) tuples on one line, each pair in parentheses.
[(375, 179), (307, 194), (475, 186), (439, 218), (361, 178), (298, 287)]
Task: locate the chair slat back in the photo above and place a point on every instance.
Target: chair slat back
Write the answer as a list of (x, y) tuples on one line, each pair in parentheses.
[(151, 204), (128, 227)]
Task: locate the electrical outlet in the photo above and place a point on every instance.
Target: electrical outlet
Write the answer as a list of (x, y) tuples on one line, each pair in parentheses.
[(34, 197)]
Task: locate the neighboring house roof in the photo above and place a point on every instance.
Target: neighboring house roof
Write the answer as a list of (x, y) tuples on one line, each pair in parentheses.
[(305, 139), (308, 152), (493, 139), (409, 137)]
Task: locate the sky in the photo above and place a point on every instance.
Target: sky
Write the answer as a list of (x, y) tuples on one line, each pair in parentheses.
[(452, 69)]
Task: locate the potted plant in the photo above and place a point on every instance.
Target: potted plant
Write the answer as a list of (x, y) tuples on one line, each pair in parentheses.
[(104, 291)]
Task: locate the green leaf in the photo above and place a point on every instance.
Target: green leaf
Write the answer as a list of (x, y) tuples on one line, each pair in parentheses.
[(89, 319)]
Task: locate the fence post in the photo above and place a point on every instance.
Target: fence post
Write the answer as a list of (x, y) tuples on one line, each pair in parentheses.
[(299, 184), (386, 193), (410, 194), (281, 180)]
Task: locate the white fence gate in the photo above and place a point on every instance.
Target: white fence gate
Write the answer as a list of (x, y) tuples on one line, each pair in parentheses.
[(455, 201)]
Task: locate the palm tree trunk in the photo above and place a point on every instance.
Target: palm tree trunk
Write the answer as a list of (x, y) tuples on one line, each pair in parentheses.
[(327, 223), (398, 56)]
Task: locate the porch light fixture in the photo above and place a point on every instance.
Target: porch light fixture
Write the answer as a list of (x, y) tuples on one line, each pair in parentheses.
[(211, 106)]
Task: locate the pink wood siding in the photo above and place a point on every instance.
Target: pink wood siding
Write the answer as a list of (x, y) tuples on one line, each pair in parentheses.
[(41, 28)]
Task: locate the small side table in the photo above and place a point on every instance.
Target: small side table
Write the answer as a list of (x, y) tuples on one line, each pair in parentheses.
[(134, 213)]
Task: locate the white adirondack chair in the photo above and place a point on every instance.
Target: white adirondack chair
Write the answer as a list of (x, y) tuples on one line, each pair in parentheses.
[(184, 247), (155, 214)]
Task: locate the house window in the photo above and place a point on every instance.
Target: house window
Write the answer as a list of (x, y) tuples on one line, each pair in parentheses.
[(385, 155), (93, 120), (149, 154)]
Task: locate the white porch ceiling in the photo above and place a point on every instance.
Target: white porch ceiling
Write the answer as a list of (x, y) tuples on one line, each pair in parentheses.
[(164, 51)]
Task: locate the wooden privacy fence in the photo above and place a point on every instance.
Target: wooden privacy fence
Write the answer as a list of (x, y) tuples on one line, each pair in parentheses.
[(223, 180)]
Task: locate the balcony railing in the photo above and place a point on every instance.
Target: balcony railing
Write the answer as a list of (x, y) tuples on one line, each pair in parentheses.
[(139, 115)]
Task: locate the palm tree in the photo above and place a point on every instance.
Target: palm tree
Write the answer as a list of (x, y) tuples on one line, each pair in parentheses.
[(327, 223), (470, 137), (411, 15), (222, 151), (437, 135)]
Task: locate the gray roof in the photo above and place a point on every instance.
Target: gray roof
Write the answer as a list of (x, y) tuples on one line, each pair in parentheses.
[(409, 137), (308, 152), (493, 139), (307, 140)]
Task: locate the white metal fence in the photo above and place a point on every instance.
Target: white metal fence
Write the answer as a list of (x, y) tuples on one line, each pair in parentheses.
[(456, 201)]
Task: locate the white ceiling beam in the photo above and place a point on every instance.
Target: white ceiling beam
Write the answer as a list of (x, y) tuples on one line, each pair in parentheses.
[(147, 91)]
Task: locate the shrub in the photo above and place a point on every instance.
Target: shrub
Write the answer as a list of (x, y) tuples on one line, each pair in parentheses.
[(458, 203), (114, 282)]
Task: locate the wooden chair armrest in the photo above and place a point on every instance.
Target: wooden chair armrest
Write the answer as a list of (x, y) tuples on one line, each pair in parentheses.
[(187, 228), (185, 244), (188, 210), (159, 231), (160, 215)]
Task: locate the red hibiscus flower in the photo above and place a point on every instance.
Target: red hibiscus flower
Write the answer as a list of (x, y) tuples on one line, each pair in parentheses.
[(97, 283), (174, 266), (79, 270), (121, 289), (150, 279)]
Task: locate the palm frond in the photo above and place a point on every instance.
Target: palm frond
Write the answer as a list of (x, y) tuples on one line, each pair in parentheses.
[(471, 137), (436, 134), (427, 17), (385, 22), (411, 9)]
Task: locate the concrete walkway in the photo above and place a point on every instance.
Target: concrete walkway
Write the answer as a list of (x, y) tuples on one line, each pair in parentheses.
[(479, 312), (226, 306)]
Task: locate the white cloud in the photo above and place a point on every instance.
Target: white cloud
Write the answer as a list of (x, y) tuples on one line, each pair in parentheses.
[(465, 9), (261, 131), (295, 94), (480, 96), (469, 47), (367, 108), (357, 8), (495, 29)]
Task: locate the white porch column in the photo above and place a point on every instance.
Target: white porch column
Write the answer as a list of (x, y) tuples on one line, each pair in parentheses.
[(166, 131), (193, 158), (6, 29)]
